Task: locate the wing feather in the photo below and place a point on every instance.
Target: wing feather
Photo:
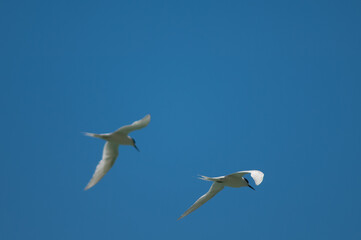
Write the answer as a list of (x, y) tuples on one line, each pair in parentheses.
[(255, 174), (134, 126), (110, 153), (215, 188)]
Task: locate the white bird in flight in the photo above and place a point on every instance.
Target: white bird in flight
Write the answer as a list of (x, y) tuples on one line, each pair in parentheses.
[(235, 180), (110, 151)]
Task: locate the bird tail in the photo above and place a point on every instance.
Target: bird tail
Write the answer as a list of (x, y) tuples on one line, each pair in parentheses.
[(205, 178), (213, 179), (93, 135)]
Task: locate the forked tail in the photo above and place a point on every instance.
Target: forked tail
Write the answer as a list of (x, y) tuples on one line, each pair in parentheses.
[(205, 178), (101, 136)]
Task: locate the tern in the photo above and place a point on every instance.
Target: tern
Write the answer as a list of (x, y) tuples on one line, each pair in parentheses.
[(110, 151), (234, 180)]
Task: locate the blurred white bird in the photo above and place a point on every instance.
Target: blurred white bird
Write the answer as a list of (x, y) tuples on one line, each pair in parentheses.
[(235, 180), (110, 151)]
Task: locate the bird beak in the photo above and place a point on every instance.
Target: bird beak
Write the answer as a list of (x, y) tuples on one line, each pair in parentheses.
[(251, 187), (136, 148)]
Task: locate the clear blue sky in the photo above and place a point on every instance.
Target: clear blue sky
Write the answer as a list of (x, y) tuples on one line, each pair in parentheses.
[(231, 85)]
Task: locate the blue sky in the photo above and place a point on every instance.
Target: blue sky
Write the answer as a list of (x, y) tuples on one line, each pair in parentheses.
[(235, 85)]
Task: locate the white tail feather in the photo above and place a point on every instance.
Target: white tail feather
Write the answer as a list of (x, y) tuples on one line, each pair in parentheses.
[(101, 136), (89, 134), (213, 179), (205, 178)]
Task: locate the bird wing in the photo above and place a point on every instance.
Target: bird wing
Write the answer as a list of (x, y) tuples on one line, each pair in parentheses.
[(215, 188), (255, 174), (134, 126), (110, 153)]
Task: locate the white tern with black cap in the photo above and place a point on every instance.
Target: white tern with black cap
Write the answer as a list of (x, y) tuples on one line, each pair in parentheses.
[(110, 151), (235, 180)]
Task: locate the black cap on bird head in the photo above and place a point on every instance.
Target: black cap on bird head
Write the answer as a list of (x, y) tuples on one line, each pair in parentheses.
[(248, 183), (135, 146)]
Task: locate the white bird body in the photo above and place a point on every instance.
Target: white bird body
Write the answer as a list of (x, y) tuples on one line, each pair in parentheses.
[(234, 180), (119, 138), (110, 151)]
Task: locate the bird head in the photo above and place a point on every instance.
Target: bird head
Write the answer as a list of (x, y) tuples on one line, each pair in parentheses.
[(245, 179), (135, 146)]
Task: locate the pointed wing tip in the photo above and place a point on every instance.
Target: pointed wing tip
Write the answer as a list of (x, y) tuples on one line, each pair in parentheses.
[(147, 117), (88, 186), (258, 179)]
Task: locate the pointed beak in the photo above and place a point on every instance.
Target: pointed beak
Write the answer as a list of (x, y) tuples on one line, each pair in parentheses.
[(251, 187), (136, 147)]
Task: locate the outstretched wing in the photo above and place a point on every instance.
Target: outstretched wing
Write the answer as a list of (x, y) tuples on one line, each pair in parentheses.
[(215, 188), (134, 126), (110, 153), (255, 174)]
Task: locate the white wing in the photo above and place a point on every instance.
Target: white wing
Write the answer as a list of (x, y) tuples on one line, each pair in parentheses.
[(215, 188), (134, 126), (255, 174), (110, 153)]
